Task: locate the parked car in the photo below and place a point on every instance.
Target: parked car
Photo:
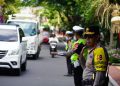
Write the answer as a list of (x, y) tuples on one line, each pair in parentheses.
[(13, 48)]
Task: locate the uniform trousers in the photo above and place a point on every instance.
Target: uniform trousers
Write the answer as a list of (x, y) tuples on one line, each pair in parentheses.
[(69, 66), (78, 71)]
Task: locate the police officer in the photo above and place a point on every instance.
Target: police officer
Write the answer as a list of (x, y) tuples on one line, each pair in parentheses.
[(69, 43), (77, 47), (95, 62)]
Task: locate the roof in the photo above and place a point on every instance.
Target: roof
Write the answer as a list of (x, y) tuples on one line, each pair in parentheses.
[(5, 26), (23, 20)]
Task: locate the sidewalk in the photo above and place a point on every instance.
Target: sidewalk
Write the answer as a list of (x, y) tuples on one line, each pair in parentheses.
[(114, 72)]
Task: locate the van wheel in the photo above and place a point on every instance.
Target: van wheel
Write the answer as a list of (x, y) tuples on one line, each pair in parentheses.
[(23, 67), (36, 56), (53, 55)]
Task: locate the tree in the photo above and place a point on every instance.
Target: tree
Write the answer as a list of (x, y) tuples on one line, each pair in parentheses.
[(9, 7), (76, 12), (68, 11)]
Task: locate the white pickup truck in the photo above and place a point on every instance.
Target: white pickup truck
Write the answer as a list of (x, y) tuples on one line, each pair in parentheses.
[(32, 35), (13, 48)]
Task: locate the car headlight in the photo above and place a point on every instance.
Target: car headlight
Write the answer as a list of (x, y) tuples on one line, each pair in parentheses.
[(32, 46), (13, 52)]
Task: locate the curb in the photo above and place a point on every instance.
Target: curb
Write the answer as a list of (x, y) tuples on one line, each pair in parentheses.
[(112, 81)]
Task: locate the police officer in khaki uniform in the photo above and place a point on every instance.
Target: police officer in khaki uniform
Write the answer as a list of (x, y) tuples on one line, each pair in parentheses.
[(93, 58)]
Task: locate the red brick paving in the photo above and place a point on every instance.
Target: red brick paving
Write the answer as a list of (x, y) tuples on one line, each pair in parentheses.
[(114, 72)]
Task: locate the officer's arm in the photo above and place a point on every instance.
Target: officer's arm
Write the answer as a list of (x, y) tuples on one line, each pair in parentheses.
[(100, 65), (82, 60), (75, 50), (79, 48), (69, 53), (99, 78)]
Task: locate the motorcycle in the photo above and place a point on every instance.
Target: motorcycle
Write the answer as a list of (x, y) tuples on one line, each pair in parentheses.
[(53, 48)]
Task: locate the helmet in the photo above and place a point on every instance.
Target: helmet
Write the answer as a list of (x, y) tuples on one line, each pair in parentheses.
[(78, 30), (69, 32), (92, 30)]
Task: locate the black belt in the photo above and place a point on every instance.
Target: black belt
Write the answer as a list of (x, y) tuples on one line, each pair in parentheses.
[(88, 82)]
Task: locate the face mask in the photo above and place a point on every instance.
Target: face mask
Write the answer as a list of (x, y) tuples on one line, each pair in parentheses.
[(74, 38), (68, 38)]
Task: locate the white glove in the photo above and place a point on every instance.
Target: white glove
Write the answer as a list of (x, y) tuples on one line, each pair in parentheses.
[(76, 64)]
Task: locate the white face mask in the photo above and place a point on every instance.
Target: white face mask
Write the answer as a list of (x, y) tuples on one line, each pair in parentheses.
[(74, 38), (68, 38)]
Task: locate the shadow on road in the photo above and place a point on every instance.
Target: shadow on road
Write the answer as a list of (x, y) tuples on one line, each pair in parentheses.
[(7, 72)]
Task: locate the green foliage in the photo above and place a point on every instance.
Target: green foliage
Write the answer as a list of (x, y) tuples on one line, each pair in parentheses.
[(65, 10), (10, 7), (28, 3), (71, 12), (114, 55), (46, 28), (9, 1)]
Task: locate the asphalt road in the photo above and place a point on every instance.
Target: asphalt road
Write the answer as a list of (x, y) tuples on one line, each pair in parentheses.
[(45, 71)]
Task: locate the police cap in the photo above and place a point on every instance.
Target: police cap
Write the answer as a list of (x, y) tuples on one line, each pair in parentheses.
[(92, 30)]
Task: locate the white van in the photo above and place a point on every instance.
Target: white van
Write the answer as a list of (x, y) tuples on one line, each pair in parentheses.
[(31, 30), (13, 48)]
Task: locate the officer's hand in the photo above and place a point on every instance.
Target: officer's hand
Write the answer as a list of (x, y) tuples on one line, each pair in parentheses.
[(75, 46), (82, 51), (68, 54)]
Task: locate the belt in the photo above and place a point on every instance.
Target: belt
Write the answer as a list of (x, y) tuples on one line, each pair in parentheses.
[(88, 82)]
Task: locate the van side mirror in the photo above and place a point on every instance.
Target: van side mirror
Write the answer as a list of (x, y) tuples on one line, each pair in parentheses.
[(24, 39)]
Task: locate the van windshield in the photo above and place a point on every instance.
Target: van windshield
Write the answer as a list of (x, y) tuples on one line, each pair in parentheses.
[(29, 28), (8, 35)]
